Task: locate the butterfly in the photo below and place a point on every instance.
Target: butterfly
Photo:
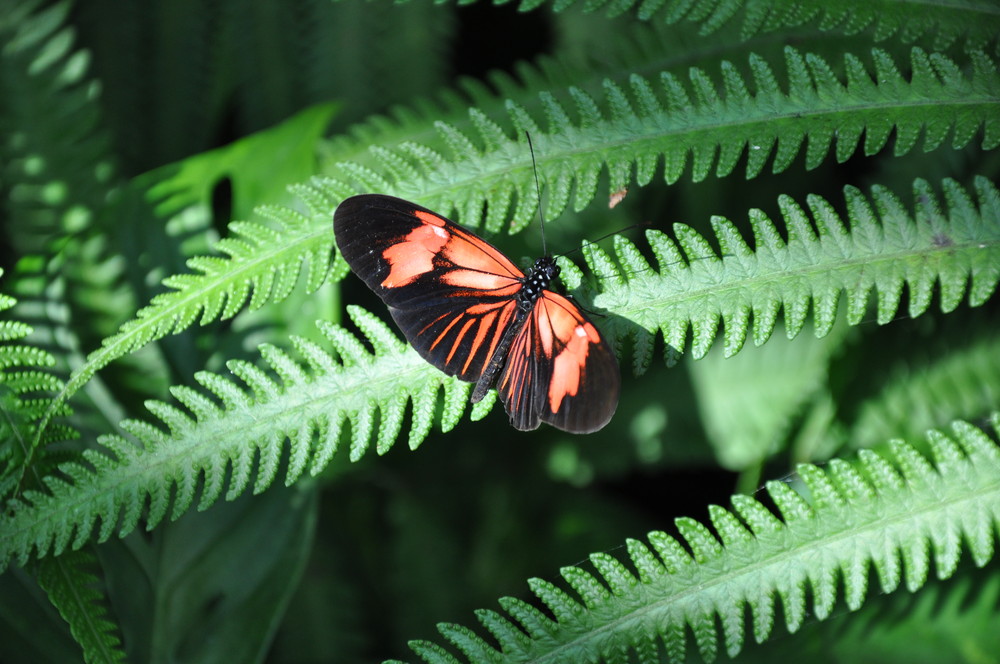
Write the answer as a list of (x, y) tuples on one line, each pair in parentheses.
[(470, 312)]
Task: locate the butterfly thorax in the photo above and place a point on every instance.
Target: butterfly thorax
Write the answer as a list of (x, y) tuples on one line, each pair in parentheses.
[(537, 280)]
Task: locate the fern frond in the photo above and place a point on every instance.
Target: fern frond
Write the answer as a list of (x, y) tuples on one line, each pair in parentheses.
[(883, 249), (890, 516), (233, 437), (261, 264), (631, 130), (24, 391), (962, 380), (57, 184), (70, 586), (54, 153), (977, 23), (646, 51)]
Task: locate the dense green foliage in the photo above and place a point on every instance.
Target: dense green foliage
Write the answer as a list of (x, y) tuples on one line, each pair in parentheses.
[(176, 327)]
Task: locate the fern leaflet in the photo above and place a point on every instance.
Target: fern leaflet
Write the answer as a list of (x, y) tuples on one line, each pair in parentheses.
[(884, 249), (236, 438), (875, 514), (70, 585)]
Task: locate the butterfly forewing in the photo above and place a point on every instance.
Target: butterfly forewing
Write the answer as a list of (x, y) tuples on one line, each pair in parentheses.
[(450, 292), (463, 306), (401, 249)]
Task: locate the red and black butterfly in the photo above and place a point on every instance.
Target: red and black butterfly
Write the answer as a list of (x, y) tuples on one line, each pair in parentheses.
[(469, 311)]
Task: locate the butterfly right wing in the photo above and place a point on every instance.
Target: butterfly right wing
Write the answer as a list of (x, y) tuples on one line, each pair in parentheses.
[(559, 370), (452, 293)]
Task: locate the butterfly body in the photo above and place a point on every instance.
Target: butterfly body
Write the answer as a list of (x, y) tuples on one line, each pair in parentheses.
[(536, 281), (469, 311)]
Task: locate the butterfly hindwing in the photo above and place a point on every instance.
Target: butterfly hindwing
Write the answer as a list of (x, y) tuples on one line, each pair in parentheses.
[(559, 370)]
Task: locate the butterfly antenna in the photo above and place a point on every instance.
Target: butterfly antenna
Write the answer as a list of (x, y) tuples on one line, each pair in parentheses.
[(641, 224), (538, 190)]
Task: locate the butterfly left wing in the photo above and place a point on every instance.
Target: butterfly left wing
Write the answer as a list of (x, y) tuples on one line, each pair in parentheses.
[(451, 292), (559, 370)]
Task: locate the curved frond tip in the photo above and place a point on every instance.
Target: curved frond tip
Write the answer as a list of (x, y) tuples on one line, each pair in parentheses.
[(893, 517)]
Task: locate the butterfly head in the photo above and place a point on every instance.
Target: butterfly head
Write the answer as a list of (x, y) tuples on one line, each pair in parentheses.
[(545, 266)]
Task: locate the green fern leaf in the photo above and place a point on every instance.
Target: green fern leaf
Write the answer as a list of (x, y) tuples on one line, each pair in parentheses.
[(857, 517), (884, 248), (221, 442), (22, 405), (628, 131), (59, 179), (70, 586)]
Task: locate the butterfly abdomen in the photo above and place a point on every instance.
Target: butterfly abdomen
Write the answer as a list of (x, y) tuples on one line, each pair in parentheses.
[(535, 282)]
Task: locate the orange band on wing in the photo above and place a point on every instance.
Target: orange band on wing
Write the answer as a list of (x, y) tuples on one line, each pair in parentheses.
[(567, 369), (414, 255), (474, 253), (476, 280), (559, 321)]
